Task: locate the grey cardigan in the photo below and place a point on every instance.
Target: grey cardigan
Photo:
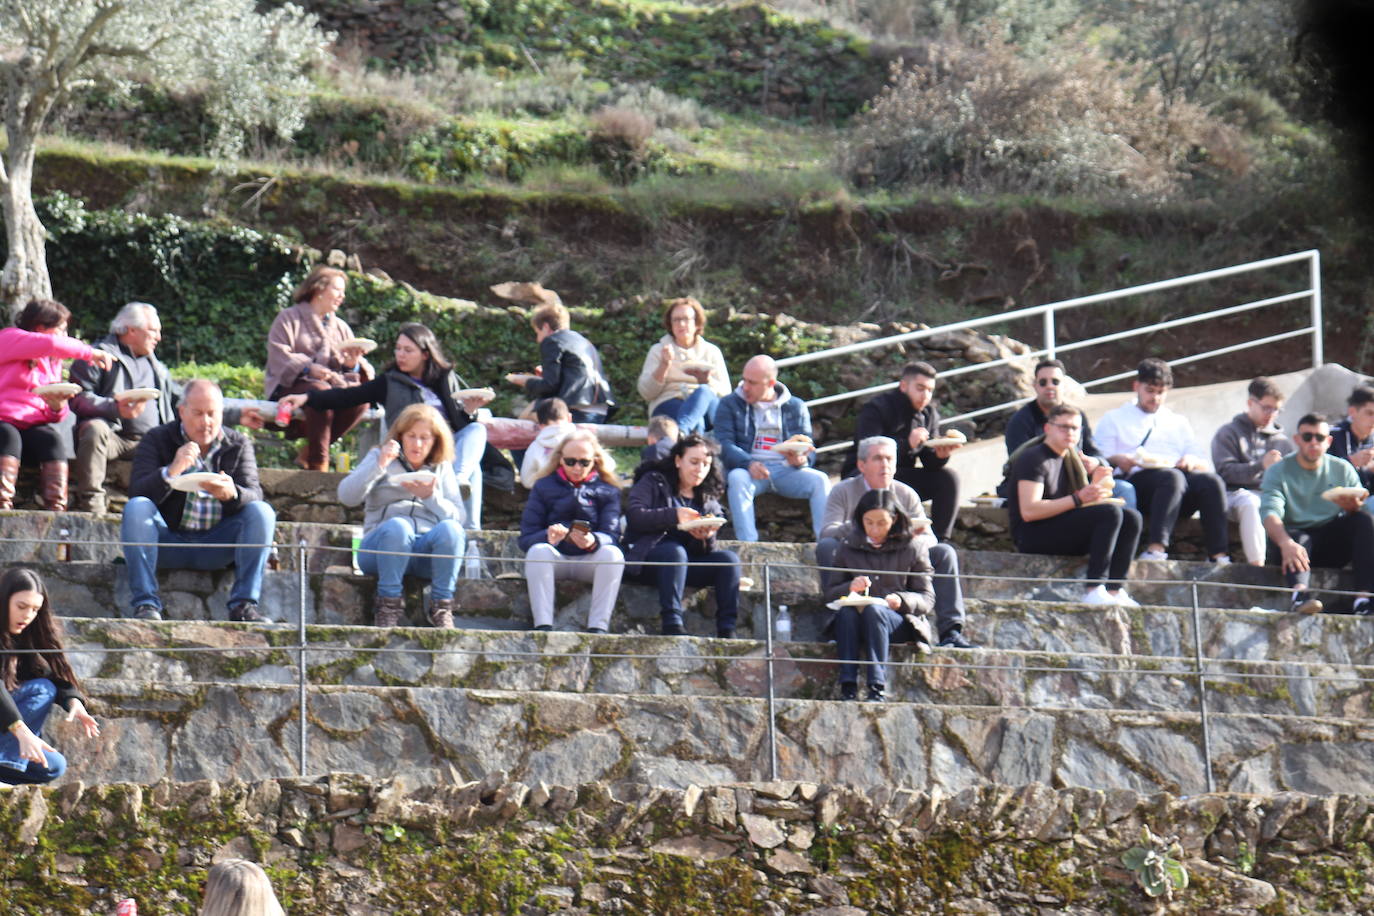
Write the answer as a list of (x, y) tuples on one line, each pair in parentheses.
[(384, 499)]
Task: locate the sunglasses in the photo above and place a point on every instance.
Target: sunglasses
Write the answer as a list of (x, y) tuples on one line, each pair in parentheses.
[(1047, 382), (1313, 437), (577, 462)]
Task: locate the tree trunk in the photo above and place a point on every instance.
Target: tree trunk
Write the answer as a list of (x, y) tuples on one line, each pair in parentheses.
[(26, 270)]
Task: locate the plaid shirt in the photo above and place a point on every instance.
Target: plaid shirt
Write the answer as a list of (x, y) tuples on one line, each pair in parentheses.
[(202, 511)]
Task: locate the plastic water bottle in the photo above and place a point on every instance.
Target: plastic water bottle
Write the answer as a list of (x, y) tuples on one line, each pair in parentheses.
[(473, 568), (782, 625)]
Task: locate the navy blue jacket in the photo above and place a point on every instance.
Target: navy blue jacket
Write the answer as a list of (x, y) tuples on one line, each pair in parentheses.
[(652, 514), (1343, 445), (555, 501)]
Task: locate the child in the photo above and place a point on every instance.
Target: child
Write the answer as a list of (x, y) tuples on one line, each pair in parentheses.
[(663, 433), (555, 422)]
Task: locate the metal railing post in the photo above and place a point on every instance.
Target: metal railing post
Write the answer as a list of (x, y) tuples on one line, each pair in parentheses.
[(1048, 344), (301, 660), (1314, 266), (768, 670), (1202, 692)]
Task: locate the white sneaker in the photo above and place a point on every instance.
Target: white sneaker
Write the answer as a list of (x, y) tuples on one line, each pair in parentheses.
[(1098, 595), (1222, 560), (1154, 555), (1123, 598)]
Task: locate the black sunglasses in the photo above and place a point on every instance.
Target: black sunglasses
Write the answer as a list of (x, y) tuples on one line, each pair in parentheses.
[(1313, 437), (578, 462)]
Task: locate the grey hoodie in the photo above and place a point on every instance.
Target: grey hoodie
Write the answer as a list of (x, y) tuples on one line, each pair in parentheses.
[(1237, 449), (386, 499)]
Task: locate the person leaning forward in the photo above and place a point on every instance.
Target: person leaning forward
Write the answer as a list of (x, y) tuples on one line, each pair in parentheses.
[(162, 525), (111, 427)]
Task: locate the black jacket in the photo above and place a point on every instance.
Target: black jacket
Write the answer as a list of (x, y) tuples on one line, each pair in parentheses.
[(572, 371), (652, 514), (896, 568), (1343, 445), (395, 391), (156, 450), (891, 414), (99, 386)]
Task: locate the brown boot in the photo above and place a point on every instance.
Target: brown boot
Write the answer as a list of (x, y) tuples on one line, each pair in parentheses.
[(9, 476), (52, 484), (441, 614), (389, 612)]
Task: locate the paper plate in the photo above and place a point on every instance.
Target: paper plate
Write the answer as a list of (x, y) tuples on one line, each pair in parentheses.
[(745, 583), (1107, 501), (465, 393), (706, 521), (1152, 462), (1336, 493), (189, 483), (137, 394), (694, 365), (946, 440), (519, 378), (991, 502), (853, 600), (414, 477), (66, 389), (366, 344)]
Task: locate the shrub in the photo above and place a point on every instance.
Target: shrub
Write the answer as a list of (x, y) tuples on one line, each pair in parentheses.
[(979, 117)]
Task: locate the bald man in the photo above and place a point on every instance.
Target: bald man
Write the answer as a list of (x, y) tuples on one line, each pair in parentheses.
[(758, 415)]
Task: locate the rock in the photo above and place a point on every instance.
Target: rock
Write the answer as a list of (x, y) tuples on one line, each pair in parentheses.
[(583, 757), (787, 862), (694, 847), (35, 815), (762, 831)]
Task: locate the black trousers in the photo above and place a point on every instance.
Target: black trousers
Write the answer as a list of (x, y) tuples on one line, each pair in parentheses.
[(941, 487), (1166, 494), (1107, 534), (44, 442), (1346, 539)]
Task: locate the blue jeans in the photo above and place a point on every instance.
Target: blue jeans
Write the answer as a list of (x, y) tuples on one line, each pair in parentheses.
[(794, 483), (440, 556), (672, 581), (949, 594), (469, 444), (695, 413), (34, 699), (874, 629), (1124, 489), (143, 524)]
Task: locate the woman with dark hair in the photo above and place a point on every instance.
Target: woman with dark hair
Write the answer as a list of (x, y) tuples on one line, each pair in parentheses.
[(684, 375), (306, 352), (892, 572), (419, 374), (33, 426), (34, 681), (673, 518)]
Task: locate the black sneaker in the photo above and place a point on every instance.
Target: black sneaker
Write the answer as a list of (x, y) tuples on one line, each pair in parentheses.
[(725, 634), (877, 693), (147, 612), (1304, 603), (543, 627), (674, 629), (596, 630), (1362, 608), (849, 691), (247, 612), (955, 639)]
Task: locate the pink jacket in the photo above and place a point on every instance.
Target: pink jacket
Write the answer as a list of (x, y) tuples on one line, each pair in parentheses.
[(26, 361)]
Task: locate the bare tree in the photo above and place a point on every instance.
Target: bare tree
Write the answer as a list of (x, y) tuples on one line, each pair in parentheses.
[(252, 67)]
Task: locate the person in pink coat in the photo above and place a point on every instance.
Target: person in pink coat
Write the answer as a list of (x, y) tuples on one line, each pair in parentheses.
[(32, 426)]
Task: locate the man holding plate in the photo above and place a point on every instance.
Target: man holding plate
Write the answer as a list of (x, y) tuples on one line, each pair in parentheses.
[(1310, 503), (195, 482), (120, 404)]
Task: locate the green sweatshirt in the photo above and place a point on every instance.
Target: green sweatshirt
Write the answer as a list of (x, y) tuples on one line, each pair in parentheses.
[(1294, 494)]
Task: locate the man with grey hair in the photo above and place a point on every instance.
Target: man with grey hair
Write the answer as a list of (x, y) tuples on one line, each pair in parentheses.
[(877, 464), (117, 406)]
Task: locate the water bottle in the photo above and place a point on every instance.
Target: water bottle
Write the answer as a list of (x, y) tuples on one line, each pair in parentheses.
[(782, 625), (64, 546)]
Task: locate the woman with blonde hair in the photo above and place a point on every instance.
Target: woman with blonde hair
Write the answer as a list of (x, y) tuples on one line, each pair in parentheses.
[(570, 527), (684, 375), (237, 887), (412, 517)]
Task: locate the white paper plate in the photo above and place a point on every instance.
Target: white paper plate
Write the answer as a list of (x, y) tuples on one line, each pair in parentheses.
[(1152, 462), (189, 483), (991, 502), (706, 521), (1336, 493), (466, 393), (946, 440), (788, 445), (137, 394), (415, 477), (366, 344), (853, 600), (67, 389)]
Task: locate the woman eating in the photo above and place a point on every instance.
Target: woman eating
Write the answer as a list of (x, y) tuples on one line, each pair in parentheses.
[(34, 682), (889, 594), (306, 352), (38, 427), (570, 527), (684, 375), (410, 514), (673, 519), (419, 374)]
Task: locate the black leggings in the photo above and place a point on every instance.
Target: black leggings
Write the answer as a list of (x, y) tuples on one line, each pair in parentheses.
[(1107, 534), (1168, 494), (44, 442), (1347, 538), (941, 487)]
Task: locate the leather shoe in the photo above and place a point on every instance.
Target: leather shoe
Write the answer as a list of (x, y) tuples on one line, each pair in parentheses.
[(247, 612), (849, 691), (955, 639)]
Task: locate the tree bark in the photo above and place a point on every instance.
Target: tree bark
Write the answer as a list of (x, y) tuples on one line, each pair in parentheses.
[(25, 275)]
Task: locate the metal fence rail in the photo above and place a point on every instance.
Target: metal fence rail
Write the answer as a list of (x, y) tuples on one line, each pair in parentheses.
[(1195, 667)]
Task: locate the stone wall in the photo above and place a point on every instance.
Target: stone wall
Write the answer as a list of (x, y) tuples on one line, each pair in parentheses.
[(348, 844)]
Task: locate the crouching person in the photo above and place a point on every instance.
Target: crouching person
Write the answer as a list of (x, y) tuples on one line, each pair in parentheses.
[(412, 514), (218, 502)]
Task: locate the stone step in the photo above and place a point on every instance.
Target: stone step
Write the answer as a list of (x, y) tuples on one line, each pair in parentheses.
[(235, 731), (177, 653)]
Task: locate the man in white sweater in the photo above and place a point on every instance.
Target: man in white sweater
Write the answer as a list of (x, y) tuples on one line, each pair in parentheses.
[(1155, 448)]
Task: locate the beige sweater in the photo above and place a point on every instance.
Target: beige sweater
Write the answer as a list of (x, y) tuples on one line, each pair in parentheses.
[(298, 338), (677, 384)]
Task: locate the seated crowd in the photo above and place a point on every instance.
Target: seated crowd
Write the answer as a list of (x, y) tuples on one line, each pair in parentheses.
[(890, 571)]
